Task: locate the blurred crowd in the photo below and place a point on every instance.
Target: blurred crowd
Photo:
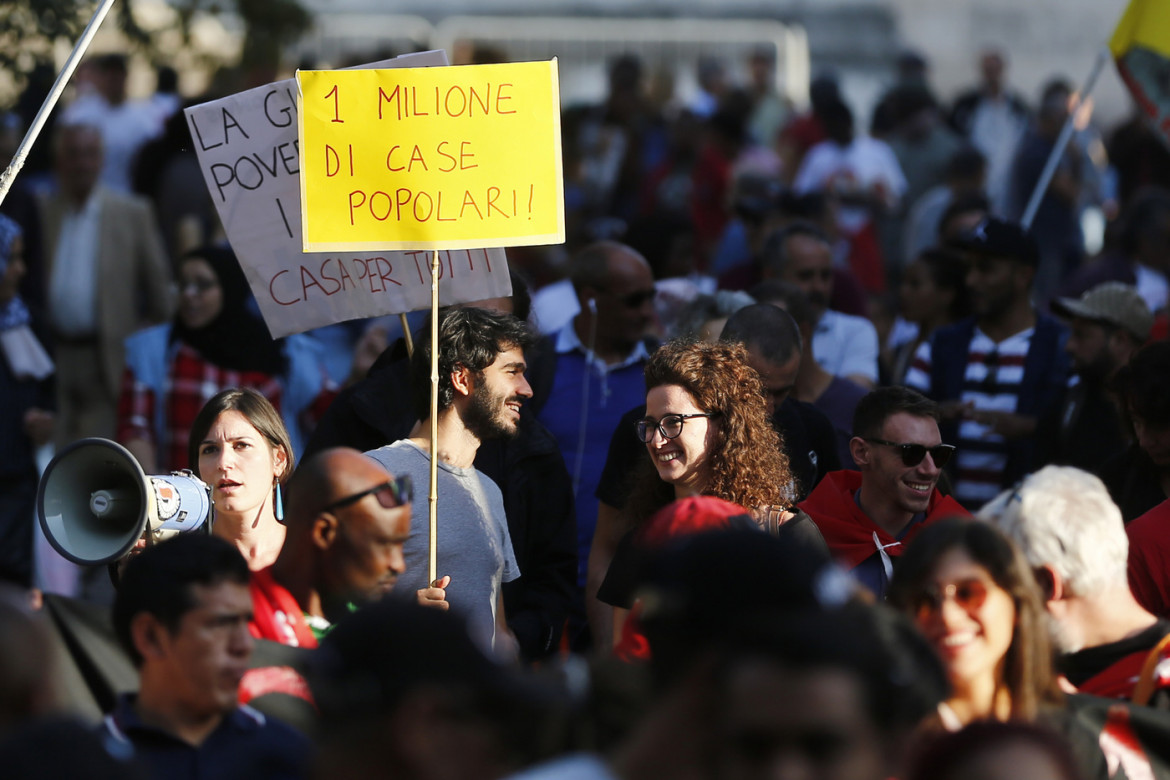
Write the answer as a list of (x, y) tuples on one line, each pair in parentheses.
[(827, 446)]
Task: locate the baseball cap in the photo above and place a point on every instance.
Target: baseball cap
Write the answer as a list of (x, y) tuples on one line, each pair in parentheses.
[(1114, 303), (994, 237)]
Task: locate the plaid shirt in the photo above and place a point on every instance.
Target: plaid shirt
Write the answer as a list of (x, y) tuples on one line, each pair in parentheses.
[(191, 383)]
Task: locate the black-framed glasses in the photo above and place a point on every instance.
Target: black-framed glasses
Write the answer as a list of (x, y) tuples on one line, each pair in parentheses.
[(669, 426), (912, 454), (395, 493), (969, 594)]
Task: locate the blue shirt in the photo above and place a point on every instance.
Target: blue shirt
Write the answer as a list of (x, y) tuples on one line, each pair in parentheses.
[(247, 745)]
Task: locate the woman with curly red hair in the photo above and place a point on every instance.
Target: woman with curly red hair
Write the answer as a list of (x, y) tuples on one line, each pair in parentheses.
[(707, 432)]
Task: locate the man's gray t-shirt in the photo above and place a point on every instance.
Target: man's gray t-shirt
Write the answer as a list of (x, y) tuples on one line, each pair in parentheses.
[(474, 545)]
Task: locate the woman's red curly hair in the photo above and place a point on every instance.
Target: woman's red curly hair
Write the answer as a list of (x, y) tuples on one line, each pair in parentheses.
[(747, 465)]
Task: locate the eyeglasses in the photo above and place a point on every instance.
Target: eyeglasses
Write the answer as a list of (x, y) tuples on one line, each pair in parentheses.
[(395, 493), (669, 426), (968, 594), (912, 454)]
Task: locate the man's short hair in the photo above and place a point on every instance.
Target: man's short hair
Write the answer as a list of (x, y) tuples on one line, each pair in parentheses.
[(766, 330), (160, 579), (589, 268), (775, 252), (1064, 518), (790, 298), (878, 406), (1143, 384), (469, 338)]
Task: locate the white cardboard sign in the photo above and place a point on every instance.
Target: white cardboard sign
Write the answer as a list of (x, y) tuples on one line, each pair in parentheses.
[(248, 151)]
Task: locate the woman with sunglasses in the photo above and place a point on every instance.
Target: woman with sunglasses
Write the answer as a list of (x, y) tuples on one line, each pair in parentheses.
[(241, 449), (707, 433), (975, 599)]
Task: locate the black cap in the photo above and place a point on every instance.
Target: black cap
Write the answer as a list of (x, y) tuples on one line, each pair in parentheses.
[(994, 237)]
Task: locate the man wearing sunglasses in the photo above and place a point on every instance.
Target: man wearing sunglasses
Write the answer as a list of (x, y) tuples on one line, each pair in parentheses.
[(594, 373), (347, 520), (867, 517)]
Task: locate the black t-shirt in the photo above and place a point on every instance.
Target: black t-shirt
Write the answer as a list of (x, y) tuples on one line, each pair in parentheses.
[(807, 436)]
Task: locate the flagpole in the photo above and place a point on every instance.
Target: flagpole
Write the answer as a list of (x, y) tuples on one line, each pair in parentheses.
[(1062, 141), (38, 123), (406, 335), (433, 498)]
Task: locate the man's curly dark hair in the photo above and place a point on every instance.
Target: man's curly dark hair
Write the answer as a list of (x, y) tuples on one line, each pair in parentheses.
[(470, 338)]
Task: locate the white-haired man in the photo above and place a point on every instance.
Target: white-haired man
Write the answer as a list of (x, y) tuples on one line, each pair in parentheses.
[(1072, 534)]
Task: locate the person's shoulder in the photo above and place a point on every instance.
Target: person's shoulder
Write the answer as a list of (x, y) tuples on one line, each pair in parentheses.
[(1151, 527)]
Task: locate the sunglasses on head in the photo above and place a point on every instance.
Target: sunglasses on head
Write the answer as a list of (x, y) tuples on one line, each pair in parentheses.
[(968, 594), (395, 493), (912, 454)]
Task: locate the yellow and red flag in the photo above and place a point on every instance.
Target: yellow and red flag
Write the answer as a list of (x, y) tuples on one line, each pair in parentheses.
[(1141, 49)]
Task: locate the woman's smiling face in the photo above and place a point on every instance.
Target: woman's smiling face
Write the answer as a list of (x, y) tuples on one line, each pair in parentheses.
[(968, 618), (683, 460)]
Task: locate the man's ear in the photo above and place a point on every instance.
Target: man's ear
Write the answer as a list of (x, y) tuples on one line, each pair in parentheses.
[(324, 531), (147, 634), (1050, 582), (462, 380), (859, 449)]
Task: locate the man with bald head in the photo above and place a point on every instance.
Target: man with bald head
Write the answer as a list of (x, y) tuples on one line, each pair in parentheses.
[(590, 371), (347, 519)]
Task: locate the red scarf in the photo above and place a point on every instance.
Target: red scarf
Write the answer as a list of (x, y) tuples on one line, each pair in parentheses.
[(849, 532), (276, 615)]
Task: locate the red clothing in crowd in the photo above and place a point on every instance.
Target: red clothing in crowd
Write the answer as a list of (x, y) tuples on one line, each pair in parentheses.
[(1149, 559), (192, 381), (277, 616), (849, 532)]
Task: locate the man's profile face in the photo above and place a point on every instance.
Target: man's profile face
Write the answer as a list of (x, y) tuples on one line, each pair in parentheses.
[(203, 660), (366, 559), (494, 411), (777, 379), (797, 724), (886, 480), (1088, 346), (810, 267)]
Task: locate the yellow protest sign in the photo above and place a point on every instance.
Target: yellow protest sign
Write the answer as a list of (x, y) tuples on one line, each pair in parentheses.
[(458, 157)]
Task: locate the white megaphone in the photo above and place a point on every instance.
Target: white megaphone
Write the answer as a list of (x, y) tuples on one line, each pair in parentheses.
[(95, 502)]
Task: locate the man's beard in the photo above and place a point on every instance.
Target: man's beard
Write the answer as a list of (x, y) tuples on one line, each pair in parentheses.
[(485, 418)]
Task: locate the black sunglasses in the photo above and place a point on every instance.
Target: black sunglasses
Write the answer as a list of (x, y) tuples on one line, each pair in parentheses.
[(912, 454), (395, 493)]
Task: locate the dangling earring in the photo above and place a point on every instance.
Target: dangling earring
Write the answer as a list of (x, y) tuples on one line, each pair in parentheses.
[(277, 502)]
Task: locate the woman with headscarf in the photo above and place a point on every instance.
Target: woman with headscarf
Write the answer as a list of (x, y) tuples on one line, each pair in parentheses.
[(26, 419), (215, 342)]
